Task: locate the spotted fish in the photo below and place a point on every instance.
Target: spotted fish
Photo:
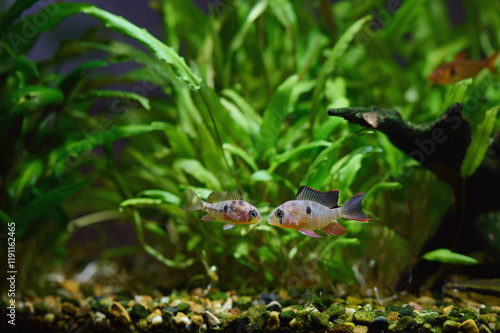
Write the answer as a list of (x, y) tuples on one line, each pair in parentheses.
[(313, 209), (223, 206)]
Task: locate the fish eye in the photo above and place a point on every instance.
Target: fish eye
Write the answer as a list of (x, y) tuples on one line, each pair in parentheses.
[(279, 214), (253, 213)]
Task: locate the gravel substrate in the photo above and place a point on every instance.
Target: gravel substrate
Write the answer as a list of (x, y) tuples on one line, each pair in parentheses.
[(211, 311)]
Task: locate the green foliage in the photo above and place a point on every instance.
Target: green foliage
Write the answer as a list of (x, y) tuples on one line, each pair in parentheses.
[(479, 144), (244, 106), (449, 257)]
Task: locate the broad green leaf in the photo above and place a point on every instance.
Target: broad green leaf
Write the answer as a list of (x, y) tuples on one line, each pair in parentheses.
[(331, 62), (245, 156), (5, 218), (199, 172), (457, 93), (60, 11), (243, 105), (31, 98), (14, 12), (156, 229), (283, 157), (274, 114), (143, 101), (254, 14), (20, 63), (382, 186), (449, 257), (165, 196), (193, 242), (479, 144), (44, 204), (71, 81), (320, 167), (31, 172), (141, 202)]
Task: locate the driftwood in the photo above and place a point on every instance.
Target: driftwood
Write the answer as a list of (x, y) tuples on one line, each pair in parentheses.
[(440, 146)]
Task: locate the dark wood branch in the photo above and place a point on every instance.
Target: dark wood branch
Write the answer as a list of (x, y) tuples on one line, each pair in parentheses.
[(439, 146)]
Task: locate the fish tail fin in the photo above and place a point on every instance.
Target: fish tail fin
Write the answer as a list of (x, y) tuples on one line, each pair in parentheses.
[(352, 210), (193, 201), (490, 62)]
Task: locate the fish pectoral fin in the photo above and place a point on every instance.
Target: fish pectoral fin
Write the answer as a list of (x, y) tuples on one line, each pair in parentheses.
[(228, 226), (334, 228), (208, 217), (310, 233)]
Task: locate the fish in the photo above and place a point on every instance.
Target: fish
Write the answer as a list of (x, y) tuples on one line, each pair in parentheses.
[(313, 209), (460, 68), (227, 206), (485, 291)]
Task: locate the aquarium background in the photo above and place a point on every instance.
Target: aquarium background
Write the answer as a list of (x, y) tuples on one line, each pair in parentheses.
[(106, 125)]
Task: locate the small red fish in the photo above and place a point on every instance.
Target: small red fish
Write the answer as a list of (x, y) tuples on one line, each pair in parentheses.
[(313, 209), (223, 206), (460, 68)]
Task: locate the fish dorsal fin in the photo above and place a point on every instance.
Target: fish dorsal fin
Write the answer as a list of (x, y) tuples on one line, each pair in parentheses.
[(223, 196), (328, 199), (461, 55)]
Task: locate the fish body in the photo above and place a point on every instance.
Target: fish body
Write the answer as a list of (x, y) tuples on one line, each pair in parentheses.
[(313, 209), (486, 291), (460, 68), (223, 206)]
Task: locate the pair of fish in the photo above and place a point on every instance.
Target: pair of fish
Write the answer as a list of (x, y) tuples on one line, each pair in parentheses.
[(309, 210), (460, 68)]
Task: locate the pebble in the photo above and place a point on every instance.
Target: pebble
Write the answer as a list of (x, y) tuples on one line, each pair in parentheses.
[(484, 329), (273, 323), (139, 311), (49, 318), (211, 319), (28, 308), (363, 317), (319, 320), (360, 329), (450, 326), (181, 319), (295, 324), (274, 306), (165, 300), (379, 324), (197, 320), (353, 300), (99, 317), (68, 308), (469, 326), (228, 305), (120, 313), (448, 308), (349, 312)]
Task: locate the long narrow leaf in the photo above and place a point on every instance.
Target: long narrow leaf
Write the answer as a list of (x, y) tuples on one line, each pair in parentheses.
[(479, 144)]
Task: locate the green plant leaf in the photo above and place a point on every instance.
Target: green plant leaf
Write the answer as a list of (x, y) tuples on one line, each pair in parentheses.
[(71, 81), (165, 196), (283, 157), (457, 93), (19, 63), (60, 11), (143, 101), (14, 12), (321, 166), (44, 205), (140, 202), (329, 65), (31, 98), (448, 257), (245, 156), (479, 144), (273, 116)]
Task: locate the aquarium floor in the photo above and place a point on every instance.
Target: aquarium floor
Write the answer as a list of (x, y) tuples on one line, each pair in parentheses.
[(75, 308)]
